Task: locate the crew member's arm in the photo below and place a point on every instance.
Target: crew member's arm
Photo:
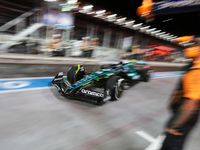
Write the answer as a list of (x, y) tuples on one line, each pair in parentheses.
[(185, 113), (191, 88), (177, 95)]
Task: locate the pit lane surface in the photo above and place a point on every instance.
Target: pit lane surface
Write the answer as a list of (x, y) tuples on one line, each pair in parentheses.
[(41, 119)]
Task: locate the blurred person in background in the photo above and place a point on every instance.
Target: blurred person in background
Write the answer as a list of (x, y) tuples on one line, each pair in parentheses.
[(185, 102)]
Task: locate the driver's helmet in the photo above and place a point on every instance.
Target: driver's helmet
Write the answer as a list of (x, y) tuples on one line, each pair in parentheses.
[(124, 61)]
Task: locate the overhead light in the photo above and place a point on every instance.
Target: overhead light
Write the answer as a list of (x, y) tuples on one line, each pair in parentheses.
[(151, 30), (167, 20), (166, 37), (130, 22), (110, 20), (175, 36), (170, 36), (101, 11), (111, 16), (163, 35), (99, 15), (90, 13), (50, 0), (72, 1), (188, 44), (88, 7), (172, 40), (63, 4), (74, 6), (121, 19), (154, 32), (160, 33), (144, 28), (137, 25)]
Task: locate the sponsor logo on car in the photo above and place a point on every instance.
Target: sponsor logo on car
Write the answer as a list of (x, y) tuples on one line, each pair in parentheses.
[(99, 72), (107, 98), (56, 79), (136, 77), (88, 92), (60, 74)]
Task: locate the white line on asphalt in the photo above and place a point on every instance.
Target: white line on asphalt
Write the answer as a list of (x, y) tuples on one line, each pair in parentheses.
[(24, 90), (155, 142), (156, 145), (146, 136)]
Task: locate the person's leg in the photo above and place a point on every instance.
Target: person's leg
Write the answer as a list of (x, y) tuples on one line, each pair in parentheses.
[(176, 142), (173, 142)]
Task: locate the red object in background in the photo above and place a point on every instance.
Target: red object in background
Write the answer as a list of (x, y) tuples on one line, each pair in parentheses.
[(162, 50), (149, 57), (142, 51), (165, 48), (153, 45), (146, 67)]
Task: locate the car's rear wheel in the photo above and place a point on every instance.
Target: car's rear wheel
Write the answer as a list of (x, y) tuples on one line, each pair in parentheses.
[(115, 86), (75, 73), (145, 73)]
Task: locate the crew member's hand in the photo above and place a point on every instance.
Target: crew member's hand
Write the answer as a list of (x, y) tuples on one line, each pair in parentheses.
[(173, 131)]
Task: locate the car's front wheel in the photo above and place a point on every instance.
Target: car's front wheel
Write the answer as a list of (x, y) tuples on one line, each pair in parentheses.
[(75, 73), (115, 86), (145, 73)]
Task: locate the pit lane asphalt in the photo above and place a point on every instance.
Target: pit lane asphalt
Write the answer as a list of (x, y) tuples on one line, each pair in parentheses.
[(41, 119)]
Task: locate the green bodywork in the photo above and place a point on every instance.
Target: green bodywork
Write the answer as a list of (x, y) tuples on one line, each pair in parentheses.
[(127, 69)]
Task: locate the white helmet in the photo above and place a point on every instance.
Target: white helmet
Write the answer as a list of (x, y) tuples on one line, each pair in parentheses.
[(124, 61)]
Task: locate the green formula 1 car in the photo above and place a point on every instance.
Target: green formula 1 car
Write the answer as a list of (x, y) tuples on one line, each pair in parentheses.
[(103, 85)]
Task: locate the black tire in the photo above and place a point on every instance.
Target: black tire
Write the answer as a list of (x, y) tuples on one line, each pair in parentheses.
[(73, 75), (115, 89), (145, 73)]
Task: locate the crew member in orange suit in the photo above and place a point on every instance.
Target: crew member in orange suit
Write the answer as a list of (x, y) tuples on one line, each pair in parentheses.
[(185, 103)]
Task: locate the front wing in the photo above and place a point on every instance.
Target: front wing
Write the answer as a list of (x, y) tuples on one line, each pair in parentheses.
[(79, 93)]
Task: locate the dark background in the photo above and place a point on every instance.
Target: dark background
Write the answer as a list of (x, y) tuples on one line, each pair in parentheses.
[(180, 24)]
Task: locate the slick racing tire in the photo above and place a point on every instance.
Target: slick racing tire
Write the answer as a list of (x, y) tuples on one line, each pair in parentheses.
[(145, 73), (115, 86), (75, 73)]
